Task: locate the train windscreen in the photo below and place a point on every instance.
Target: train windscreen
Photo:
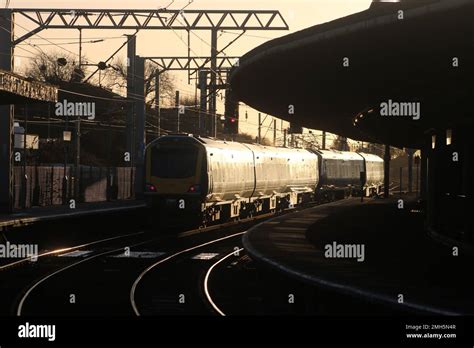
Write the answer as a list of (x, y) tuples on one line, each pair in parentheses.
[(174, 162)]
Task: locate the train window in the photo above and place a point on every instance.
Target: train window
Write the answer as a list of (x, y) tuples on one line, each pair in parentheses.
[(174, 162)]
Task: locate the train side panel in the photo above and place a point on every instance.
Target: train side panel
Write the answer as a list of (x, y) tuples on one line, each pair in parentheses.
[(230, 170), (284, 176), (339, 172), (280, 171), (248, 179), (374, 167)]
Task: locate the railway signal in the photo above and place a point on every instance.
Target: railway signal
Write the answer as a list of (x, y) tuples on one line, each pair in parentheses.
[(231, 125), (231, 122)]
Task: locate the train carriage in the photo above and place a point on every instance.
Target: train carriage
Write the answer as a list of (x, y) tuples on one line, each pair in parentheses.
[(340, 173), (374, 173), (210, 180), (203, 180)]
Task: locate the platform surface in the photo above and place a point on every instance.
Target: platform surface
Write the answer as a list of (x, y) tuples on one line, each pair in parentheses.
[(399, 258), (41, 214)]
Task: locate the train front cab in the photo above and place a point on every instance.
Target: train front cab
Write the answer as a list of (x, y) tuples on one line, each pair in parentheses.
[(176, 181)]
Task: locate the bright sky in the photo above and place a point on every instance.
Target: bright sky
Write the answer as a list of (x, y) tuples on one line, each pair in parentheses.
[(299, 14)]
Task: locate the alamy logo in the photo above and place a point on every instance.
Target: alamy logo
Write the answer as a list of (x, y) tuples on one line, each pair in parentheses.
[(345, 251), (37, 331), (406, 109), (75, 109), (23, 251)]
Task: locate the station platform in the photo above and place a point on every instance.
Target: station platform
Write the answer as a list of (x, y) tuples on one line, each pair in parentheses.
[(396, 255), (43, 214)]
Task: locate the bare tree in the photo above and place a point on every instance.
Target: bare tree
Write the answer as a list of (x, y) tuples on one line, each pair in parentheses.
[(190, 102), (340, 144), (55, 67), (115, 78)]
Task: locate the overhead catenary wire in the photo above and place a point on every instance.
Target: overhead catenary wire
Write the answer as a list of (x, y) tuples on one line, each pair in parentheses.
[(75, 54), (47, 40), (166, 7), (73, 92), (75, 38), (68, 43), (248, 35), (132, 99), (65, 49)]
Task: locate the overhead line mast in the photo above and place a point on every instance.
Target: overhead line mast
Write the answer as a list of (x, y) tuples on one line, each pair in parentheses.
[(37, 20)]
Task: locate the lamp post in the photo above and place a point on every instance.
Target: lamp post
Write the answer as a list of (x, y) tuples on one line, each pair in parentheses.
[(67, 135)]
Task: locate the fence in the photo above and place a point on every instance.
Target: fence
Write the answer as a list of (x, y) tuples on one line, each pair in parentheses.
[(400, 180), (54, 185)]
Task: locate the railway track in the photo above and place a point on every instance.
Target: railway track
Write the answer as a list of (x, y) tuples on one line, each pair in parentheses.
[(18, 276), (201, 271), (77, 270), (65, 250), (181, 296), (207, 292)]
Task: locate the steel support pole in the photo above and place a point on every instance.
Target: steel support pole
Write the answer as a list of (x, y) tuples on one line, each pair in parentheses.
[(259, 128), (6, 115), (274, 132), (213, 85), (77, 161), (131, 52), (203, 128), (410, 153), (157, 100), (387, 171), (139, 92), (176, 104), (77, 175), (24, 175)]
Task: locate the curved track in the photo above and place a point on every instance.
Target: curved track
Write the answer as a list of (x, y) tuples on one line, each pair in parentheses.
[(206, 281)]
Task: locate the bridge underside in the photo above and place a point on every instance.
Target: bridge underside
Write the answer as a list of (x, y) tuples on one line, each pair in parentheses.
[(15, 89), (426, 57)]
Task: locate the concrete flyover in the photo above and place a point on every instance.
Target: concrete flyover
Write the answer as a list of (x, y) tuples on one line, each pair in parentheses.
[(410, 51)]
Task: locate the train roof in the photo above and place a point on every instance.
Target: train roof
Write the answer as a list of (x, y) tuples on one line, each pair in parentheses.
[(215, 143), (371, 157), (340, 155), (325, 154)]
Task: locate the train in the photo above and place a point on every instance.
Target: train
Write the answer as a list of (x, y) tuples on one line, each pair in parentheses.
[(200, 180)]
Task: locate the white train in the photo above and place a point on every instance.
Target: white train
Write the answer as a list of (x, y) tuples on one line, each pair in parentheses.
[(344, 173), (207, 180)]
